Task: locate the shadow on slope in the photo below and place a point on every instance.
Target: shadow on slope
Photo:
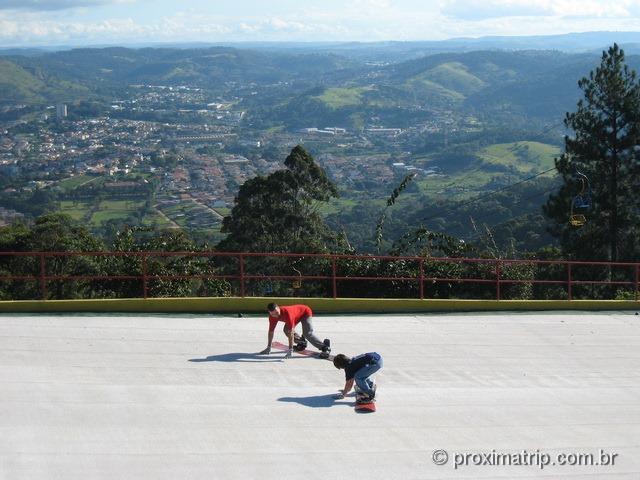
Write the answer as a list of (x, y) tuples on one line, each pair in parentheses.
[(316, 401), (236, 357)]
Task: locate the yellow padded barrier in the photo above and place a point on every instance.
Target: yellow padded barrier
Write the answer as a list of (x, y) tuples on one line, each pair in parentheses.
[(319, 305)]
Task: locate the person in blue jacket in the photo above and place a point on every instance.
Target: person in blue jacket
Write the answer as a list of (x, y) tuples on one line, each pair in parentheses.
[(359, 369)]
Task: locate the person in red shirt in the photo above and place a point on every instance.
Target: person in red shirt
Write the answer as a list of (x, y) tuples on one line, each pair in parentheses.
[(292, 315)]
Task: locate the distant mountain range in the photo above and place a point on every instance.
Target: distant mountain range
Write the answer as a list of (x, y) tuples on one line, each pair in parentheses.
[(32, 78), (333, 84), (587, 42), (500, 85), (397, 50)]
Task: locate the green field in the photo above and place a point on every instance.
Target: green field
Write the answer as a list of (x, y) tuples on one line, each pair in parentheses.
[(116, 210), (71, 183), (525, 157), (459, 184), (93, 215), (224, 211), (518, 160), (157, 220), (336, 205), (76, 210), (343, 97), (192, 216)]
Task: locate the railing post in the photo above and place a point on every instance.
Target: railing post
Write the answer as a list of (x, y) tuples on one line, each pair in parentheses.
[(421, 278), (498, 279), (333, 279), (43, 282), (569, 284), (242, 275), (145, 290)]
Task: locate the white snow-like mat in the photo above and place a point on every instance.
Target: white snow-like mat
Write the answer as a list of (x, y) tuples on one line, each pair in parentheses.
[(103, 396)]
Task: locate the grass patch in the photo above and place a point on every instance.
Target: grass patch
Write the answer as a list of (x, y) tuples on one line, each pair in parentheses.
[(460, 184), (191, 216), (72, 183), (502, 164), (75, 209), (336, 205), (116, 210), (157, 220), (525, 157), (453, 76), (343, 97), (126, 211), (429, 89), (224, 211)]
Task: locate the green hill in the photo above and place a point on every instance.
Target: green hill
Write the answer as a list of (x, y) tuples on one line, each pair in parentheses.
[(432, 92), (319, 88), (17, 84), (498, 86), (453, 78), (201, 67), (35, 85)]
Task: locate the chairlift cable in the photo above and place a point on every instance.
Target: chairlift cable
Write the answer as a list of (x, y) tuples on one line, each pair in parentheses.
[(488, 194)]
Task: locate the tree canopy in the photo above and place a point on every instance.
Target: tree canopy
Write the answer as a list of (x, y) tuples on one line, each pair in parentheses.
[(279, 212), (604, 148)]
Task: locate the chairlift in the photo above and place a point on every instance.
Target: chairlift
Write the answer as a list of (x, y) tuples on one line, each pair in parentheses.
[(296, 284), (581, 201), (577, 220)]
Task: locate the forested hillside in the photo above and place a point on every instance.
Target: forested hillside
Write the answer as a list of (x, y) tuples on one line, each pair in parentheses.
[(167, 137)]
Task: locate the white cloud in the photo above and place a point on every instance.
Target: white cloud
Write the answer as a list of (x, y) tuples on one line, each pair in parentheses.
[(30, 28), (484, 9), (282, 25), (48, 5), (360, 20), (248, 29), (38, 31), (367, 5)]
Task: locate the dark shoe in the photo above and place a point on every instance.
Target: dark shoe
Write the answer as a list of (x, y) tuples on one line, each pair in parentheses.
[(373, 395), (364, 399), (326, 348), (300, 346)]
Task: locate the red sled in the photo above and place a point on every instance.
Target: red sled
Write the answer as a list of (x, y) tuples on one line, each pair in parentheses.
[(369, 407), (305, 352)]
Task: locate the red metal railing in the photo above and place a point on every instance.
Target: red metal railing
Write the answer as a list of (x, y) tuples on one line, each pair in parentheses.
[(420, 271)]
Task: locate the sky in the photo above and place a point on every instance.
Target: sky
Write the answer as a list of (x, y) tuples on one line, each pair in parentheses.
[(122, 22)]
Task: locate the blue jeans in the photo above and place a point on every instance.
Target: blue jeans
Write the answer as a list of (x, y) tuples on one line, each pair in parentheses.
[(365, 384)]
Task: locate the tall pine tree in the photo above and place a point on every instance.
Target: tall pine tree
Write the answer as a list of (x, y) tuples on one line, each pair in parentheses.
[(604, 147)]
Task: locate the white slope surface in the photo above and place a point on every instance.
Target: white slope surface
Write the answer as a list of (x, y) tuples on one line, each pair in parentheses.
[(103, 396)]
